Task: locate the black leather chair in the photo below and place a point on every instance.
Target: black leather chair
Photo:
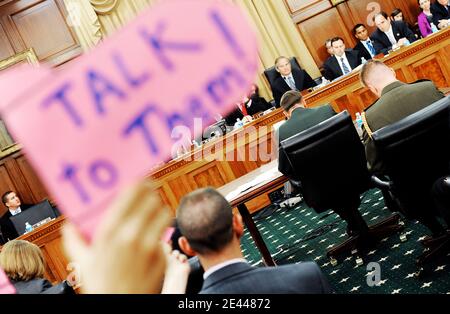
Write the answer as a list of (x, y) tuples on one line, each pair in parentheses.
[(271, 73), (329, 161), (415, 152)]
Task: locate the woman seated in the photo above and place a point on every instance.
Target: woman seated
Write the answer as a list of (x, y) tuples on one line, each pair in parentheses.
[(24, 265), (425, 18)]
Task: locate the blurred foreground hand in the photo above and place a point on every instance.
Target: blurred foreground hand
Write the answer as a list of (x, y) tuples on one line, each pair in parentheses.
[(126, 254), (177, 272)]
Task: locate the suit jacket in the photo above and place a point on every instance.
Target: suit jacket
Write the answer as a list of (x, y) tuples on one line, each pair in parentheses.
[(259, 104), (301, 119), (302, 81), (231, 117), (439, 12), (363, 52), (33, 286), (381, 42), (6, 225), (332, 68), (398, 100), (241, 278)]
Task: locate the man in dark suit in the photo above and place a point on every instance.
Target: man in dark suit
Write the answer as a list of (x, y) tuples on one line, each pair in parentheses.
[(342, 62), (300, 119), (396, 101), (365, 45), (14, 205), (289, 79), (441, 13), (255, 103), (390, 35), (212, 231)]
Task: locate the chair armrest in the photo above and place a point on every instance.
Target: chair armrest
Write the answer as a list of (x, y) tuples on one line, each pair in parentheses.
[(381, 184)]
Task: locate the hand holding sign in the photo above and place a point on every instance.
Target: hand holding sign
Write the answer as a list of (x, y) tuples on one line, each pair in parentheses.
[(106, 119)]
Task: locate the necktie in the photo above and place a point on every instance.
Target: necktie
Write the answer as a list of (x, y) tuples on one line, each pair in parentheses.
[(243, 108), (291, 83), (344, 66), (372, 50)]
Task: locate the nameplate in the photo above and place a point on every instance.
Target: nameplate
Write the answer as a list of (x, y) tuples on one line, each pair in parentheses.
[(105, 119)]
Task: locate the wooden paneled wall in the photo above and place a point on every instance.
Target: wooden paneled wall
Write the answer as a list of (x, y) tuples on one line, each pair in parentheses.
[(318, 20), (37, 24), (16, 174)]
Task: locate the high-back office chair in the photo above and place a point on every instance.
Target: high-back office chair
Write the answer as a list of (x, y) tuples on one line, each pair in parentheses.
[(329, 161), (415, 152), (271, 73)]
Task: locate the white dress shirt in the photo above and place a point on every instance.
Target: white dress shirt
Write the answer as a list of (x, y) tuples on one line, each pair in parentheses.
[(366, 44), (15, 212), (344, 56), (390, 35), (290, 77), (222, 265)]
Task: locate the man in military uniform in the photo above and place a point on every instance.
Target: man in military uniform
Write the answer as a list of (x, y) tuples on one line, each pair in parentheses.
[(396, 101)]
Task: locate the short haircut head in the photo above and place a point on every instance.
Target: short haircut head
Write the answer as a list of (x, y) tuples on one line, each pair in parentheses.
[(205, 219), (290, 99), (328, 41), (279, 59), (22, 260), (368, 69), (382, 13), (335, 39), (5, 197), (355, 28), (396, 12)]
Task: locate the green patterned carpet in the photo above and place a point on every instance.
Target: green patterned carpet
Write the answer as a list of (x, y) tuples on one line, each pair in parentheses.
[(286, 234)]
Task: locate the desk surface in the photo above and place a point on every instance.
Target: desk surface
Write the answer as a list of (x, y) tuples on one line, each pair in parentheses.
[(248, 186), (257, 182)]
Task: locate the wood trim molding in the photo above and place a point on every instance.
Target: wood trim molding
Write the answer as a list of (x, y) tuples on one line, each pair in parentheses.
[(44, 230), (5, 2)]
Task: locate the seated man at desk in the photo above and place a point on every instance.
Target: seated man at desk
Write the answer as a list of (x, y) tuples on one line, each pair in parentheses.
[(14, 206), (342, 62), (364, 45), (390, 35), (289, 79), (254, 103), (250, 105), (300, 119), (441, 13), (397, 100)]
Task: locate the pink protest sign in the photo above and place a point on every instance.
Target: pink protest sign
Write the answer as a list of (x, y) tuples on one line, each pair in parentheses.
[(106, 119), (23, 76), (5, 285), (168, 234)]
